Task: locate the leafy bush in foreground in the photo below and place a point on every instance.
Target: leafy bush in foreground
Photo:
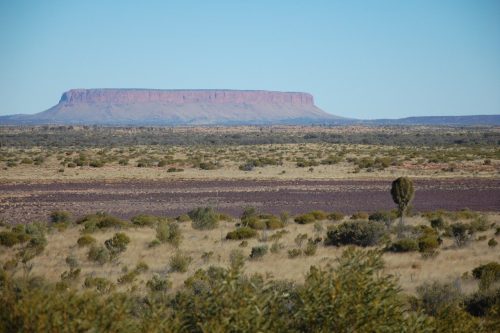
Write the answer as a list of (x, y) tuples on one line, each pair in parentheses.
[(241, 233)]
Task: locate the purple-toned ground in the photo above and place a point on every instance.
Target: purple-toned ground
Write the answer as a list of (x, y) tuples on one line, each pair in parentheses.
[(20, 203)]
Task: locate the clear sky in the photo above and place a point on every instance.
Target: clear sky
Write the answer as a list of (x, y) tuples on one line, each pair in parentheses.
[(363, 59)]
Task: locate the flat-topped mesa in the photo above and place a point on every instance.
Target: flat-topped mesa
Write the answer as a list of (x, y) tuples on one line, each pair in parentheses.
[(123, 96)]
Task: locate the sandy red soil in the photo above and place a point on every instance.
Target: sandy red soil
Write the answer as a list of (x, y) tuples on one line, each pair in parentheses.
[(21, 203)]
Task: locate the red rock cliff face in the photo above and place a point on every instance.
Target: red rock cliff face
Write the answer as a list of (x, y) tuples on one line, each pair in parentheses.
[(123, 96)]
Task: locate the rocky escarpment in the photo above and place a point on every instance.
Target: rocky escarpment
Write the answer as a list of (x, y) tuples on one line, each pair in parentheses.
[(180, 107)]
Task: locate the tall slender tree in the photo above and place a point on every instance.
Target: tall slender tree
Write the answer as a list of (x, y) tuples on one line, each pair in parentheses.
[(402, 193)]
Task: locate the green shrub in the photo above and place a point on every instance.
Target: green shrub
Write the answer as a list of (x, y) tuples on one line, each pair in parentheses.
[(157, 284), (183, 218), (335, 216), (383, 216), (462, 233), (249, 214), (179, 262), (203, 218), (428, 244), (258, 251), (256, 224), (319, 215), (436, 296), (101, 284), (144, 220), (305, 218), (168, 232), (294, 253), (85, 240), (8, 238), (241, 233), (117, 244), (274, 223), (404, 245), (481, 303), (100, 221), (361, 233), (310, 249), (438, 223), (60, 216), (489, 268), (99, 254), (300, 239), (492, 242)]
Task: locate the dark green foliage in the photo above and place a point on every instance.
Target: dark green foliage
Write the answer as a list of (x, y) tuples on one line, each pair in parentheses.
[(492, 268), (169, 232), (8, 238), (258, 251), (85, 240), (482, 303), (319, 215), (462, 233), (438, 223), (428, 245), (256, 223), (157, 284), (492, 242), (335, 216), (144, 220), (100, 221), (241, 233), (99, 254), (436, 296), (117, 244), (60, 216), (361, 233), (274, 223), (404, 245), (203, 218), (402, 193), (383, 216), (100, 284), (311, 248), (305, 218)]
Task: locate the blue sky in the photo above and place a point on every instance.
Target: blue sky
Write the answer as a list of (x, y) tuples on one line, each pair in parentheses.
[(363, 59)]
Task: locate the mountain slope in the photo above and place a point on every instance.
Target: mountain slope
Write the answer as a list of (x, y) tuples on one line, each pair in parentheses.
[(177, 107)]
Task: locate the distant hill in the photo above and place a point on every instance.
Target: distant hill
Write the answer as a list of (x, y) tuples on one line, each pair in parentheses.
[(479, 120), (178, 107), (152, 107)]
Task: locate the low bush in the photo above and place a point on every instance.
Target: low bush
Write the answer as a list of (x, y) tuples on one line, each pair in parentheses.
[(462, 233), (60, 216), (101, 221), (319, 215), (404, 245), (428, 245), (9, 238), (294, 253), (256, 223), (168, 232), (100, 284), (99, 254), (492, 242), (241, 233), (158, 284), (258, 251), (383, 216), (335, 216), (274, 223), (203, 218), (144, 220), (436, 296), (183, 218), (438, 223), (179, 262), (85, 240), (359, 216), (305, 218), (491, 268), (117, 244), (311, 248), (361, 233), (482, 303)]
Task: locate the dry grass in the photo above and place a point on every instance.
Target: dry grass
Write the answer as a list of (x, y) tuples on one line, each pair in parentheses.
[(450, 264)]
